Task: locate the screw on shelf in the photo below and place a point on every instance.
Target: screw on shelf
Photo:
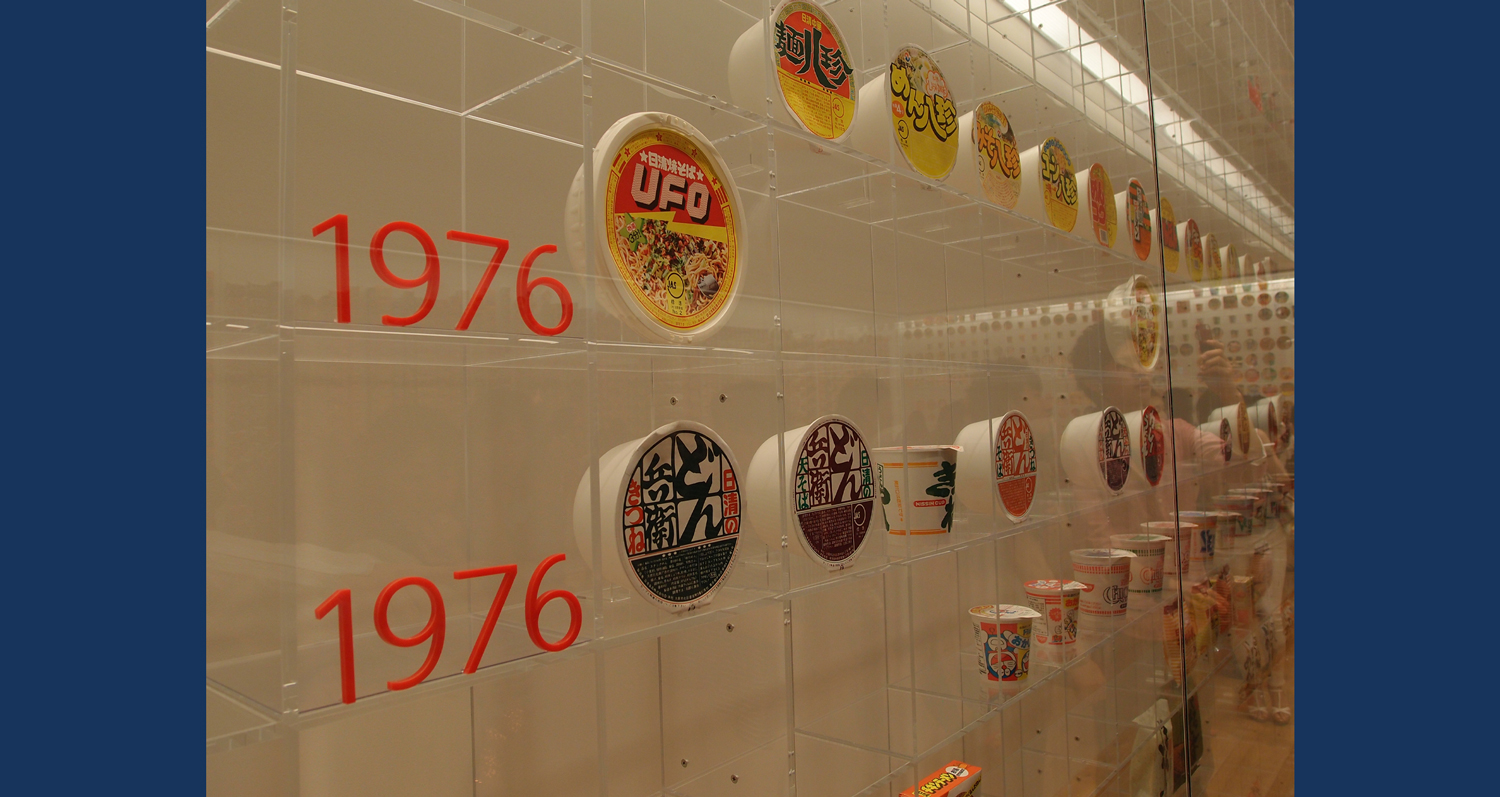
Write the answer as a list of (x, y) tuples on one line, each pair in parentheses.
[(674, 399), (734, 778), (684, 763), (723, 398), (729, 626)]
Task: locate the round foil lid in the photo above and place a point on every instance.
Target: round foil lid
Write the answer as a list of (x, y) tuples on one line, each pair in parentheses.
[(1102, 221), (814, 78), (1225, 445), (671, 225), (1015, 464), (1194, 245), (680, 515), (1139, 219), (999, 158), (923, 115), (1113, 448), (1145, 324), (1153, 445), (1059, 185), (833, 491), (1213, 262), (1169, 242)]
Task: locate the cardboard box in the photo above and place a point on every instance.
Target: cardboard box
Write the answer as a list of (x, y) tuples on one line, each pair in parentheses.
[(957, 779)]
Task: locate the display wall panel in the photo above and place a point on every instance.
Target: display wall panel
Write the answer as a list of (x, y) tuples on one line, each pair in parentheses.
[(353, 446)]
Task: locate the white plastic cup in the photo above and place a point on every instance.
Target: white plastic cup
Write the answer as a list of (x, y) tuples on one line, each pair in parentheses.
[(1148, 447), (1137, 222), (1057, 602), (1003, 634), (989, 163), (1150, 558), (1242, 436), (1179, 549), (1262, 498), (1105, 574), (1242, 505), (1098, 217), (1095, 450), (916, 486), (877, 131), (755, 68), (828, 491), (1051, 201), (998, 458)]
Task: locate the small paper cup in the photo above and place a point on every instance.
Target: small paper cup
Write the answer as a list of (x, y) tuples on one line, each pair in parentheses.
[(1105, 574), (1002, 635), (1263, 499), (916, 487), (1252, 507), (1150, 557), (1057, 602), (1177, 555)]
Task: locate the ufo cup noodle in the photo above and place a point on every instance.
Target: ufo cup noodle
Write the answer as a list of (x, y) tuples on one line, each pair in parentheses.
[(1241, 435), (1165, 223), (1002, 635), (669, 512), (813, 84), (1148, 447), (1132, 324), (989, 163), (1137, 220), (826, 496), (1190, 246), (1105, 576), (916, 488), (1057, 602), (1150, 558), (1095, 450), (668, 227), (1049, 189), (997, 458), (907, 115), (1213, 262), (1098, 219)]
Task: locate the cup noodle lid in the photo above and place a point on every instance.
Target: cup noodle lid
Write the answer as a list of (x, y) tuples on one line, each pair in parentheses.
[(1103, 224), (999, 158), (662, 190), (1141, 543), (1135, 332), (1004, 612), (815, 80), (678, 551), (1213, 265), (1015, 464), (1137, 220), (923, 116), (1059, 186), (1101, 556), (1193, 247), (1112, 449), (1052, 586), (1167, 221), (1205, 519), (832, 488)]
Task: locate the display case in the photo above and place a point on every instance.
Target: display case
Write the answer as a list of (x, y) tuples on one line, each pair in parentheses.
[(737, 397)]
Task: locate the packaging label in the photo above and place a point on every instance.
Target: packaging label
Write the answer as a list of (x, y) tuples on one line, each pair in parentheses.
[(1059, 187), (812, 70), (681, 517), (1169, 245), (1114, 449), (1146, 325), (1194, 251), (834, 490), (930, 514), (1015, 464), (957, 779), (923, 114), (1059, 613), (1153, 445), (1231, 263), (1213, 260), (1006, 649), (1102, 207), (675, 234), (1225, 446), (1140, 221), (1244, 428), (999, 158)]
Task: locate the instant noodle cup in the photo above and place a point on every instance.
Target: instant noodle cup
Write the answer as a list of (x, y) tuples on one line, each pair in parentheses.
[(1150, 552), (910, 110), (1165, 223), (669, 508), (1264, 416), (826, 496), (1276, 497), (807, 65), (1231, 260), (1177, 555), (1213, 261), (1262, 510), (1148, 446), (1191, 247), (1095, 450), (1241, 435), (1105, 576), (1137, 221), (1243, 506), (1002, 635), (1098, 218), (989, 163), (1049, 189), (998, 458), (1057, 602), (1220, 433), (669, 228), (916, 487), (1132, 324)]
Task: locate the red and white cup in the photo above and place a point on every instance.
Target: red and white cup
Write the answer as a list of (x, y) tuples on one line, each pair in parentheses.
[(1150, 558), (1105, 574), (1057, 602), (1242, 505), (1003, 634)]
